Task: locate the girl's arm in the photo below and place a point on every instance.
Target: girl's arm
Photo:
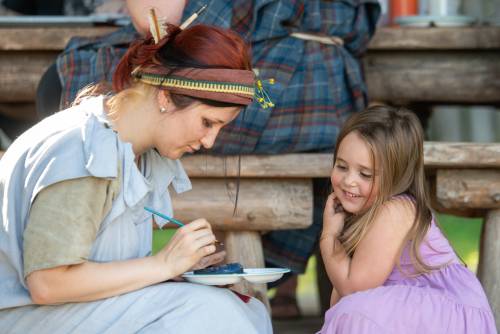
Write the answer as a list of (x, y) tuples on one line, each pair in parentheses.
[(376, 254), (334, 298), (90, 281)]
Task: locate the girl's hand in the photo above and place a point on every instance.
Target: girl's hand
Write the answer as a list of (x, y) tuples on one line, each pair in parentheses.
[(189, 245), (333, 217)]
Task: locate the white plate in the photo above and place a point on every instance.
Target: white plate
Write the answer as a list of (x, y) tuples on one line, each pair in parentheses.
[(252, 275)]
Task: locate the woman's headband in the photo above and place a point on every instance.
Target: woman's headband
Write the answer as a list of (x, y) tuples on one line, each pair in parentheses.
[(224, 85)]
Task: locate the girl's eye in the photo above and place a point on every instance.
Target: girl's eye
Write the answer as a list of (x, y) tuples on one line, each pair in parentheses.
[(207, 123), (366, 176), (341, 167)]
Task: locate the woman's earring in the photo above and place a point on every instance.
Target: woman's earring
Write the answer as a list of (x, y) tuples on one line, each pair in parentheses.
[(163, 110)]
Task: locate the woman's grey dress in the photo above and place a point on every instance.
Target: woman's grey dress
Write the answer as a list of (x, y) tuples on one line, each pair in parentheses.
[(77, 143)]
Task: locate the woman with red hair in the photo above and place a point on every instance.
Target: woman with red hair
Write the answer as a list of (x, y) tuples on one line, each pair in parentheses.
[(75, 251)]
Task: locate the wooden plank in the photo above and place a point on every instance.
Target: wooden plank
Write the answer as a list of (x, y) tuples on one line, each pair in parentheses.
[(245, 247), (468, 188), (434, 76), (461, 155), (312, 165), (55, 38), (19, 111), (489, 267), (393, 73), (390, 76), (20, 73), (436, 38), (315, 165), (45, 38), (304, 165), (262, 204)]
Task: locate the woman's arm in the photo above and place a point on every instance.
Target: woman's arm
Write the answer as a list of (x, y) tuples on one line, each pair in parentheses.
[(169, 11), (90, 281), (376, 253)]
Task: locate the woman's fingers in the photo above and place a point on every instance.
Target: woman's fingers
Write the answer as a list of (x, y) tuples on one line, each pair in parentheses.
[(210, 260)]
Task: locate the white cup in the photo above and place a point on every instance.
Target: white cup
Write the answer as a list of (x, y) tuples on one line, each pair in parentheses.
[(444, 7)]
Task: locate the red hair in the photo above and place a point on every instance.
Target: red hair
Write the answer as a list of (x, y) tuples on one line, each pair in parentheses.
[(200, 46)]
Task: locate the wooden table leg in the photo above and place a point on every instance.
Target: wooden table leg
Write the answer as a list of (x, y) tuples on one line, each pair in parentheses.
[(245, 247), (489, 267)]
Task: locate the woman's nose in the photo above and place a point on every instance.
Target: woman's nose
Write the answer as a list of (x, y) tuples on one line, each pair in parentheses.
[(209, 139)]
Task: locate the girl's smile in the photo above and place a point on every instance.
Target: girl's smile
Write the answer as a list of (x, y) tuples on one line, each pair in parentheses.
[(352, 177)]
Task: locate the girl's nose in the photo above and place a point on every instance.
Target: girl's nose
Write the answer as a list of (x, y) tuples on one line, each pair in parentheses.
[(350, 180)]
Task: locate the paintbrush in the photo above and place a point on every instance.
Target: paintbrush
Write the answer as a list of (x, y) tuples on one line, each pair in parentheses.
[(173, 220)]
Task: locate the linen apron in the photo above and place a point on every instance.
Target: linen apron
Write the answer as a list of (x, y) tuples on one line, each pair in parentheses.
[(79, 142)]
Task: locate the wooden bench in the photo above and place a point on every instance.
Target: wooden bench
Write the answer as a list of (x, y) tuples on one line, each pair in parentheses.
[(401, 64), (276, 193), (432, 66)]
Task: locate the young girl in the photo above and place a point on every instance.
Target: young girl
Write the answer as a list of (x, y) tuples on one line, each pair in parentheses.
[(392, 269)]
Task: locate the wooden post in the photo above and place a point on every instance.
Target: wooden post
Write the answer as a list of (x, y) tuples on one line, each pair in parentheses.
[(489, 267), (245, 247)]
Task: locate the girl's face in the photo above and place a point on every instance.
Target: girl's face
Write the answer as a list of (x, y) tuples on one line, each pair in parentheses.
[(353, 177), (189, 129)]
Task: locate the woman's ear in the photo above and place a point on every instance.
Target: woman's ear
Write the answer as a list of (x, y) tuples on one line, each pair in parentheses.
[(164, 101)]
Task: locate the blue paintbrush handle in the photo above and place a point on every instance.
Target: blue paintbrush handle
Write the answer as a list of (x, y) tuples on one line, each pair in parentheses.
[(172, 220)]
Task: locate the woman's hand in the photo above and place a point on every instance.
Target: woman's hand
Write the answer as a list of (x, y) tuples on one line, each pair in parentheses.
[(189, 245), (333, 217), (210, 260)]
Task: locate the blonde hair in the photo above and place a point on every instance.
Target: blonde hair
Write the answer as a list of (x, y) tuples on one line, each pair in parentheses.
[(395, 138), (136, 92)]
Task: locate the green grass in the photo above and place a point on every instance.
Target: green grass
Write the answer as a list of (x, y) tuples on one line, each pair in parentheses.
[(161, 237), (464, 235)]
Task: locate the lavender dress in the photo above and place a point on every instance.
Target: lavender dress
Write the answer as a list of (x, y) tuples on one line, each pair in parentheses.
[(448, 300)]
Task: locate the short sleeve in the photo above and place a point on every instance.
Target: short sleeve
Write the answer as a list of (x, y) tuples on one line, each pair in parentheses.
[(64, 220)]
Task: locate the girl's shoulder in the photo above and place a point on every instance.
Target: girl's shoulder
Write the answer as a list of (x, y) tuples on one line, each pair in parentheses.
[(401, 208)]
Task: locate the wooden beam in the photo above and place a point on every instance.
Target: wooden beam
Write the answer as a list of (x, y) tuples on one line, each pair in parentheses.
[(468, 188), (401, 64), (262, 204), (245, 247), (20, 73), (489, 267), (304, 165), (316, 165), (434, 76), (436, 38), (461, 155), (45, 38), (313, 165), (55, 38)]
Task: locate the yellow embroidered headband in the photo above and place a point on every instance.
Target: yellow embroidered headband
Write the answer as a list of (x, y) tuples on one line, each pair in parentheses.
[(224, 85)]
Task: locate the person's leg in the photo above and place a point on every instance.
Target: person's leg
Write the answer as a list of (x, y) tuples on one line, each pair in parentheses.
[(284, 303), (48, 93)]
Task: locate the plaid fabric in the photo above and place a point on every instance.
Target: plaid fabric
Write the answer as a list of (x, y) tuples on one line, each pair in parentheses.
[(88, 61), (317, 86)]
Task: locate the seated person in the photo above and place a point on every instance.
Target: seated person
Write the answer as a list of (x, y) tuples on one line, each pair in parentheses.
[(318, 85), (75, 255)]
